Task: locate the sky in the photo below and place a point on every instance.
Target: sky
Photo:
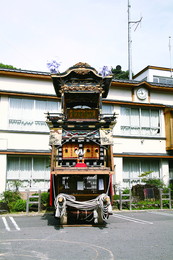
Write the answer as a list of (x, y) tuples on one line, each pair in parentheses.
[(34, 32)]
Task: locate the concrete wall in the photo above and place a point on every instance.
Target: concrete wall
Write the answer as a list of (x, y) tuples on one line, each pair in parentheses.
[(27, 85), (153, 72), (3, 170), (120, 94), (165, 98)]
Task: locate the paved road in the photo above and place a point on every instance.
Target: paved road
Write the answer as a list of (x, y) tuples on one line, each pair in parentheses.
[(127, 235)]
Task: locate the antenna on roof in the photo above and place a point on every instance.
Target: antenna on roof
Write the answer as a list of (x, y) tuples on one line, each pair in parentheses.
[(130, 23), (170, 54)]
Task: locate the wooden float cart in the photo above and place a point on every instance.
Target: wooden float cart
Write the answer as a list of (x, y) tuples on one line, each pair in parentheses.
[(81, 147)]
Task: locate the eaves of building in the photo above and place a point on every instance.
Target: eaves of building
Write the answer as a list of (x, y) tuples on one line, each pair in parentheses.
[(25, 74), (25, 152), (151, 68), (144, 155), (134, 84), (37, 75)]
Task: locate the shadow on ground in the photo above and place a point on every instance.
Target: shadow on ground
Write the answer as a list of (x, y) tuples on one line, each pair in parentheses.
[(52, 221)]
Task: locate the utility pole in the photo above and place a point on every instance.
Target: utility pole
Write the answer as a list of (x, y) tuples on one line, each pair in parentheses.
[(130, 23), (170, 55), (129, 44)]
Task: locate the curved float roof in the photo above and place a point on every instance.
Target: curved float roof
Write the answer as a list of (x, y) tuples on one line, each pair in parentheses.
[(81, 71)]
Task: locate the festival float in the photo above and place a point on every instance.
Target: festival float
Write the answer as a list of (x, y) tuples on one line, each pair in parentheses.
[(81, 147)]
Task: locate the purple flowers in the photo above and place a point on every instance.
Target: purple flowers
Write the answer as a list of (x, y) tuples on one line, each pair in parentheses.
[(53, 66), (105, 71)]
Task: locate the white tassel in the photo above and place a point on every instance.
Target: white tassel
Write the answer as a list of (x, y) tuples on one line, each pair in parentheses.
[(57, 213), (95, 214), (110, 209)]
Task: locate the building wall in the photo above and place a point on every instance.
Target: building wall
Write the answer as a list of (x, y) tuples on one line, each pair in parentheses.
[(165, 98), (3, 171), (122, 94), (31, 145), (26, 144), (148, 146), (25, 141), (150, 72), (27, 85)]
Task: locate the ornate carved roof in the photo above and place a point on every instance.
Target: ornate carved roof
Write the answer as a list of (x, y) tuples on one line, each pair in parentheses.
[(80, 74), (81, 65), (81, 68)]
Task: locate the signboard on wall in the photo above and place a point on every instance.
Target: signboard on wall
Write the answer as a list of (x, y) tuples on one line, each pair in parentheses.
[(87, 114)]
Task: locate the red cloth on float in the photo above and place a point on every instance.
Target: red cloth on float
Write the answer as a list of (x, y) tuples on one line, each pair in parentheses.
[(80, 165)]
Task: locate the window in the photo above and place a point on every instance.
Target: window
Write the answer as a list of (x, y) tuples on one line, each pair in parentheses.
[(139, 121), (132, 169), (107, 109), (29, 114), (82, 183), (33, 172), (163, 80)]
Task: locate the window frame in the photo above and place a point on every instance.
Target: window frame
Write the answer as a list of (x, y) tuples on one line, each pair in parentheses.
[(139, 163), (29, 180), (129, 129), (32, 122)]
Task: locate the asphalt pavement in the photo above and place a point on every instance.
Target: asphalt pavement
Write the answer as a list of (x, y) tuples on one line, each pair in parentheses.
[(128, 235)]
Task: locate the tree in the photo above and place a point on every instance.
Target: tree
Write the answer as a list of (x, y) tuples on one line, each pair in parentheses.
[(118, 73), (7, 66)]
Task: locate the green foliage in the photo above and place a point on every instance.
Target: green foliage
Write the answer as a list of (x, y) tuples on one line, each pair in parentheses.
[(11, 197), (15, 184), (154, 182), (15, 203), (20, 205), (45, 198), (144, 174), (126, 191), (7, 66), (118, 73), (148, 204), (116, 197), (171, 186)]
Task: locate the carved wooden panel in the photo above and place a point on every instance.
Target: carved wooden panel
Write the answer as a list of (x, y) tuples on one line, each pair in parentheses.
[(169, 129), (82, 114), (69, 151), (92, 151)]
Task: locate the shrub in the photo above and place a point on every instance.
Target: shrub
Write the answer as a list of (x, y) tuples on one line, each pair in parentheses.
[(126, 191), (20, 205), (4, 207), (116, 197), (45, 198), (147, 204), (11, 196), (154, 182)]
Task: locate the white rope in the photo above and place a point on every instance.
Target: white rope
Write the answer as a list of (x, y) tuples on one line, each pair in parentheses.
[(101, 202)]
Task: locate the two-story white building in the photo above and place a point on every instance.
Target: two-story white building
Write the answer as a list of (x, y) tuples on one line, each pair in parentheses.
[(143, 135), (24, 135)]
